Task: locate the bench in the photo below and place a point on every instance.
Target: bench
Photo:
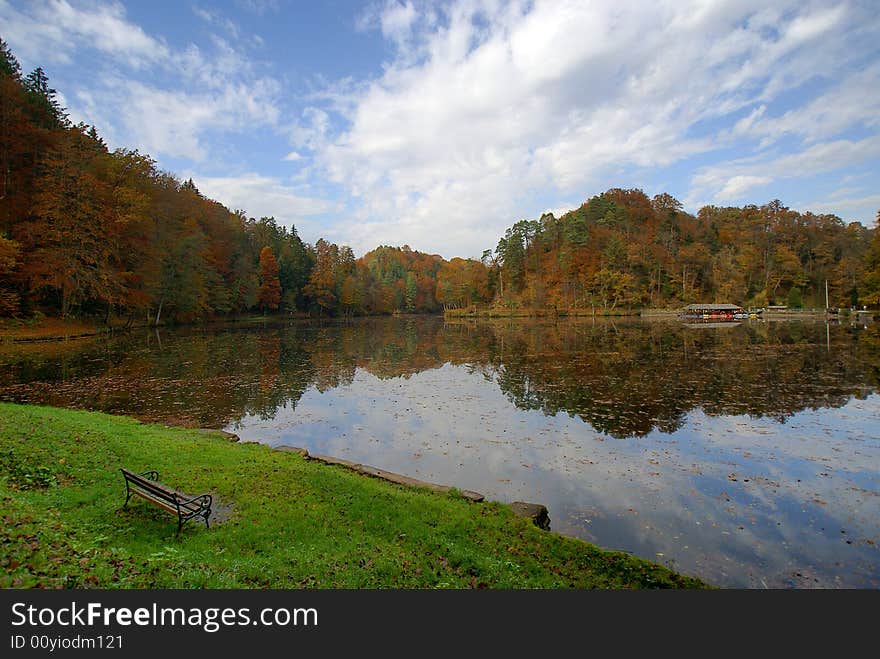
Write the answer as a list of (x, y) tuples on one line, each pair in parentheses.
[(185, 506)]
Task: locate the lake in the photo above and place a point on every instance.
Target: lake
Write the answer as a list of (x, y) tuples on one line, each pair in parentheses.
[(747, 454)]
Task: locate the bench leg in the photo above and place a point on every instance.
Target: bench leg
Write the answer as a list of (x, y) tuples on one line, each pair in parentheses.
[(179, 524), (127, 494)]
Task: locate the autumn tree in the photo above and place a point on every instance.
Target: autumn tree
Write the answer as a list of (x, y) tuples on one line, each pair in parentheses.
[(70, 236), (22, 144), (15, 147), (462, 282), (612, 289), (322, 281), (10, 252), (870, 294), (270, 286), (181, 287)]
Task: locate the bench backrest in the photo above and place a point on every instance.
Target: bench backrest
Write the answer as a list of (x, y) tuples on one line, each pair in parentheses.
[(154, 488)]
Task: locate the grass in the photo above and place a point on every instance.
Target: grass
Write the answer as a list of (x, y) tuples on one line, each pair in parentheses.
[(293, 523)]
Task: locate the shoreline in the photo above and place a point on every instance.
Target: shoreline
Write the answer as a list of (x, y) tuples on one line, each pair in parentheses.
[(284, 521), (55, 329)]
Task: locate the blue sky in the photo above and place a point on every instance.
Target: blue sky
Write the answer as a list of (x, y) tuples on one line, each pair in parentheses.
[(438, 125)]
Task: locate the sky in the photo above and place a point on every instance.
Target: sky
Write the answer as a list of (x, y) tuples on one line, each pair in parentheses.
[(439, 125)]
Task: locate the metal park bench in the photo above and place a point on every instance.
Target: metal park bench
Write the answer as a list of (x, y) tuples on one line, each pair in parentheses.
[(185, 506)]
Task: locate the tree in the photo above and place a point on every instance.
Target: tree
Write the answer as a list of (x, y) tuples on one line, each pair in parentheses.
[(493, 263), (9, 255), (461, 282), (411, 291), (575, 228), (22, 142), (181, 286), (728, 280), (666, 206), (694, 259), (270, 286), (349, 295), (613, 288), (511, 253), (322, 281), (870, 290), (69, 241), (9, 65), (45, 109)]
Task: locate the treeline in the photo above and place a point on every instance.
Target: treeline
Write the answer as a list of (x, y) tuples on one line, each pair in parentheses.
[(89, 231), (624, 249), (86, 231)]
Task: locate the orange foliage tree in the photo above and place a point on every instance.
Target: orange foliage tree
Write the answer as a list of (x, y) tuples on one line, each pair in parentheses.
[(270, 286)]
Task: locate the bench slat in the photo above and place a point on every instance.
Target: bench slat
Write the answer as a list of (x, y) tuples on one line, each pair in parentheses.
[(158, 491), (159, 502)]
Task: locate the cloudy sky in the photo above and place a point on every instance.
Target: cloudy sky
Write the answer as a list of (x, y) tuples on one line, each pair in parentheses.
[(440, 124)]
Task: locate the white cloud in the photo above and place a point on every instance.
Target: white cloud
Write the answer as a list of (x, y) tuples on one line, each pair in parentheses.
[(500, 102), (53, 30), (397, 21), (265, 196), (311, 131), (170, 100), (806, 27), (853, 102), (846, 205), (214, 18), (736, 186), (728, 181), (828, 156), (148, 113), (562, 208), (165, 122)]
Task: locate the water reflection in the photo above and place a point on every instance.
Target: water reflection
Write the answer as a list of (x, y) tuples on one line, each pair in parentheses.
[(746, 454)]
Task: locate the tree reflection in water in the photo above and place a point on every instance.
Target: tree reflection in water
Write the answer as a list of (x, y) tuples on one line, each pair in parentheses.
[(623, 378)]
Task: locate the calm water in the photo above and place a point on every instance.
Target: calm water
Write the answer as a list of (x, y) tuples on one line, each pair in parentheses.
[(748, 455)]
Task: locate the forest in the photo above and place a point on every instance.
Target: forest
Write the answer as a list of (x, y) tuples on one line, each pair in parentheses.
[(623, 249), (86, 231)]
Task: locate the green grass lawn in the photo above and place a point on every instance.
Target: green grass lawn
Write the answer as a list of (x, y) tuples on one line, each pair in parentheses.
[(291, 523)]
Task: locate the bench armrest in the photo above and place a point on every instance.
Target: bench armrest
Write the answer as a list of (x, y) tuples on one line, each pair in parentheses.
[(204, 501), (151, 475)]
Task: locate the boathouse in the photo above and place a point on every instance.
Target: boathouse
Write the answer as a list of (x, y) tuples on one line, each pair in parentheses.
[(705, 310)]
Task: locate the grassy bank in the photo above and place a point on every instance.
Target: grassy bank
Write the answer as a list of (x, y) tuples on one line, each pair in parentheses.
[(290, 522)]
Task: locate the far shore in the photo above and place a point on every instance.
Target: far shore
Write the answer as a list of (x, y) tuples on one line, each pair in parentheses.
[(473, 312), (60, 329)]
